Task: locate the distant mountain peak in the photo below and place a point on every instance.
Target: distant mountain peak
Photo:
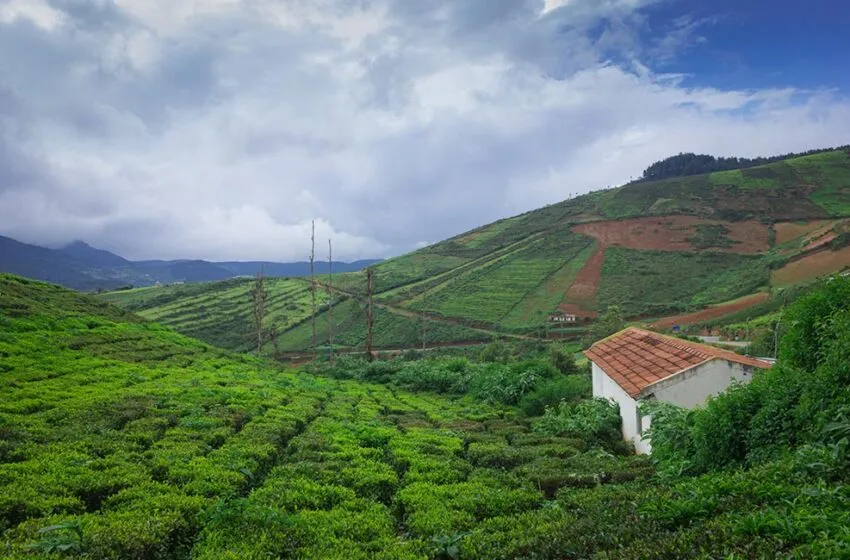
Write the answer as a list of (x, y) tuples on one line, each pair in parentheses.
[(78, 243), (85, 253)]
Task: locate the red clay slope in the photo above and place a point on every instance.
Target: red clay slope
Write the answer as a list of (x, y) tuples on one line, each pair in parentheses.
[(662, 233)]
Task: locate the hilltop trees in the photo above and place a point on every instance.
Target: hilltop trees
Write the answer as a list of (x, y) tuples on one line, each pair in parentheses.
[(686, 164)]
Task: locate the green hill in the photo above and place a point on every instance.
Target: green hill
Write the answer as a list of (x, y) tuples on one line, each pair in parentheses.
[(683, 249), (122, 439)]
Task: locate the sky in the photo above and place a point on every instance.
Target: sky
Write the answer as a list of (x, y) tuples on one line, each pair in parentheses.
[(219, 129)]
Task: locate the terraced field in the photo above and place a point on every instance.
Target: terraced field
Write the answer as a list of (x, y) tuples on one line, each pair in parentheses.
[(220, 312)]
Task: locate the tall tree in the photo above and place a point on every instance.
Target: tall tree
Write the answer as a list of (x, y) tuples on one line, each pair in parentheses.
[(313, 283), (259, 295), (331, 301)]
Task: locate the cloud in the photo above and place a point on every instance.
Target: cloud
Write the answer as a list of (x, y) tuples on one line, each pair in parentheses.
[(220, 128)]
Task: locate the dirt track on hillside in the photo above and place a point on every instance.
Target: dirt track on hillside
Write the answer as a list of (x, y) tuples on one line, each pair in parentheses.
[(584, 287), (709, 313)]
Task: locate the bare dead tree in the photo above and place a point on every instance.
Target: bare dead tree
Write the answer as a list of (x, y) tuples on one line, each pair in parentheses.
[(370, 288), (313, 283), (259, 295), (330, 301)]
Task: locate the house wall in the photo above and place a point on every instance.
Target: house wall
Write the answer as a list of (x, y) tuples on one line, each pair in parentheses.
[(688, 390), (605, 387), (692, 388)]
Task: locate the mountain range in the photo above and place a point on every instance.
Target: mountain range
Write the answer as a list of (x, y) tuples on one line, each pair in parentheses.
[(86, 268)]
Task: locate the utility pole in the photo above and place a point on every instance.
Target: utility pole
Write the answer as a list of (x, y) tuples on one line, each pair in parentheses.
[(370, 287), (313, 282), (330, 302), (424, 327)]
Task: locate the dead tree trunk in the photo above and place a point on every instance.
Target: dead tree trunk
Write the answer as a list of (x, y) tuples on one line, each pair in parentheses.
[(258, 307), (330, 302), (313, 283), (370, 286)]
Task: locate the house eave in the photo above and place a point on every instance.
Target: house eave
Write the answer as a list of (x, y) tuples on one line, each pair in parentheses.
[(652, 387)]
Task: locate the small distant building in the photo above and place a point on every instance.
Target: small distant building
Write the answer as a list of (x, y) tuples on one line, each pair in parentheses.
[(561, 317), (635, 365)]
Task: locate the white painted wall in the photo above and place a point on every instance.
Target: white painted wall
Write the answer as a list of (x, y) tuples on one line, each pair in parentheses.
[(605, 387), (688, 390), (692, 388)]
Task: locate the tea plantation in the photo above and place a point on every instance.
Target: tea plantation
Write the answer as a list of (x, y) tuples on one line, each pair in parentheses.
[(122, 439)]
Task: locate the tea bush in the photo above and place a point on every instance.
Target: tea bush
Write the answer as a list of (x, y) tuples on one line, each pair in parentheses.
[(121, 439)]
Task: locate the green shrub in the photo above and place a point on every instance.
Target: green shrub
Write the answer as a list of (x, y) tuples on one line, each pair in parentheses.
[(596, 421), (552, 392)]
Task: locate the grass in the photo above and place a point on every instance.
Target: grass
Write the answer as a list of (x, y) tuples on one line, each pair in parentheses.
[(828, 172), (655, 283)]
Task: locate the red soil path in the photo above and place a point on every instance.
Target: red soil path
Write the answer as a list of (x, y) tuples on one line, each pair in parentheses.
[(820, 242), (584, 287), (713, 312)]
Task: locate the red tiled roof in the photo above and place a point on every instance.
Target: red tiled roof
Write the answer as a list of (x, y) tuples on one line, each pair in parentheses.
[(635, 358)]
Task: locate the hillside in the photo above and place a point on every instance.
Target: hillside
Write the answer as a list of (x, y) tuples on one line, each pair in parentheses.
[(674, 252), (82, 267), (122, 439)]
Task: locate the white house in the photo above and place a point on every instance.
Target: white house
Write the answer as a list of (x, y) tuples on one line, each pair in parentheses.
[(636, 365)]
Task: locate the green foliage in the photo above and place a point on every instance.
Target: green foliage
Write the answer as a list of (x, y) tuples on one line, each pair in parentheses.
[(807, 334), (595, 421), (792, 405), (607, 324), (562, 360), (550, 393), (125, 440), (496, 352), (841, 240)]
